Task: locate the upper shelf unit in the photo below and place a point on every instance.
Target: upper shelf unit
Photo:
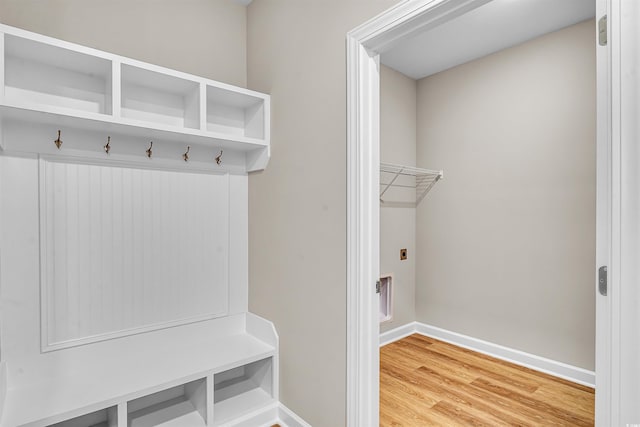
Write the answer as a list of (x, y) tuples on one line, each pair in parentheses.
[(415, 182), (50, 85)]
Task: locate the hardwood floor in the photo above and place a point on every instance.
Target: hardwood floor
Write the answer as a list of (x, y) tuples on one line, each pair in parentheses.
[(426, 382)]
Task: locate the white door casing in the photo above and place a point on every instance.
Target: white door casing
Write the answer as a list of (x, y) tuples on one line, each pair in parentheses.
[(603, 223)]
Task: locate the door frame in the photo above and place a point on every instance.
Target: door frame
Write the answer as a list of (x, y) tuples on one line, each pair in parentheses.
[(364, 46)]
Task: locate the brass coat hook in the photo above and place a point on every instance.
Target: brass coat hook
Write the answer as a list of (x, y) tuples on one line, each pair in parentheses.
[(185, 156), (219, 158), (58, 141), (107, 147), (149, 151)]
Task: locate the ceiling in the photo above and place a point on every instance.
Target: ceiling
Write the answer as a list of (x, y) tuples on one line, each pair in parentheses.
[(494, 26)]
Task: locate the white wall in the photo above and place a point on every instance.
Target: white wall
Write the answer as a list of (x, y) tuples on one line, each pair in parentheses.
[(297, 224), (397, 222), (506, 241), (202, 37)]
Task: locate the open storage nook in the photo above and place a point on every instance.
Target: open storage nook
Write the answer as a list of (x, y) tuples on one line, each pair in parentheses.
[(42, 75), (149, 96), (235, 113), (104, 418), (243, 388), (196, 122), (183, 405)]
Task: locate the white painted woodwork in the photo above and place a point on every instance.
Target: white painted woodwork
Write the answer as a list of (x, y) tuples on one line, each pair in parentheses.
[(153, 97), (244, 388), (126, 250), (61, 385), (104, 418), (604, 220), (74, 81), (177, 406), (73, 88), (133, 269)]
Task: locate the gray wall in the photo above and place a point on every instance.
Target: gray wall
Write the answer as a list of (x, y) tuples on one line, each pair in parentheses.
[(297, 221), (398, 223), (507, 240), (202, 37)]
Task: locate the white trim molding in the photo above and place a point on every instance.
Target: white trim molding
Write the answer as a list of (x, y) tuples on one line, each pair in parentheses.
[(396, 334), (518, 357)]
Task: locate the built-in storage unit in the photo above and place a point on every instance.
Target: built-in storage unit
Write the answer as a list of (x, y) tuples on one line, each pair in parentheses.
[(146, 112), (203, 375), (124, 203)]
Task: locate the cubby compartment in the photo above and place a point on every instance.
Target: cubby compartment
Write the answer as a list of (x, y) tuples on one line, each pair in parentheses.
[(242, 389), (104, 418), (152, 97), (234, 113), (41, 75), (184, 405)]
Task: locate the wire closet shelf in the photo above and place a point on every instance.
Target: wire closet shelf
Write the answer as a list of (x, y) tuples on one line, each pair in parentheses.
[(400, 176)]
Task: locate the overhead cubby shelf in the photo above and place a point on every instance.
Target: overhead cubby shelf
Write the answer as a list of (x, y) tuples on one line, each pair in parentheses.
[(47, 85), (409, 184)]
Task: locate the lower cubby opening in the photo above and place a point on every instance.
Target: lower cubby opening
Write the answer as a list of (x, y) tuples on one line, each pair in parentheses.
[(242, 389), (105, 418), (184, 405)]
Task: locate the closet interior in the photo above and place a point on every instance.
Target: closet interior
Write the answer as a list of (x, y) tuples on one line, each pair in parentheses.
[(488, 182)]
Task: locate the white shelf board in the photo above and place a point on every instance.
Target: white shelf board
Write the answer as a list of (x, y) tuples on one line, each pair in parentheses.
[(178, 412), (104, 374), (60, 118), (252, 398)]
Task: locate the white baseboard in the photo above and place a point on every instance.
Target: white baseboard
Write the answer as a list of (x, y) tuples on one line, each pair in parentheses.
[(397, 333), (538, 363)]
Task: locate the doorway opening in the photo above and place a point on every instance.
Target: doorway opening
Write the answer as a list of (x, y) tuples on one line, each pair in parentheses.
[(365, 46)]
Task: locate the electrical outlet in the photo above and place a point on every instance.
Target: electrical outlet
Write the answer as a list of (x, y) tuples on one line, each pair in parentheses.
[(403, 254)]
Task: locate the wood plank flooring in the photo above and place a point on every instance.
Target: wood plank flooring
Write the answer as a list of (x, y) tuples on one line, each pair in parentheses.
[(426, 382)]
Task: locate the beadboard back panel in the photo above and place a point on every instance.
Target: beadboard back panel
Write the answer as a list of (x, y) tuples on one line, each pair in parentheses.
[(127, 250)]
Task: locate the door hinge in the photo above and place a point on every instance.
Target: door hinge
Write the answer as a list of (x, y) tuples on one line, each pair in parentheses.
[(602, 31), (602, 280), (378, 287)]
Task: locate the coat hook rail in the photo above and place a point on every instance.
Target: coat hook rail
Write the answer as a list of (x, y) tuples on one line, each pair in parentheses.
[(58, 141)]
